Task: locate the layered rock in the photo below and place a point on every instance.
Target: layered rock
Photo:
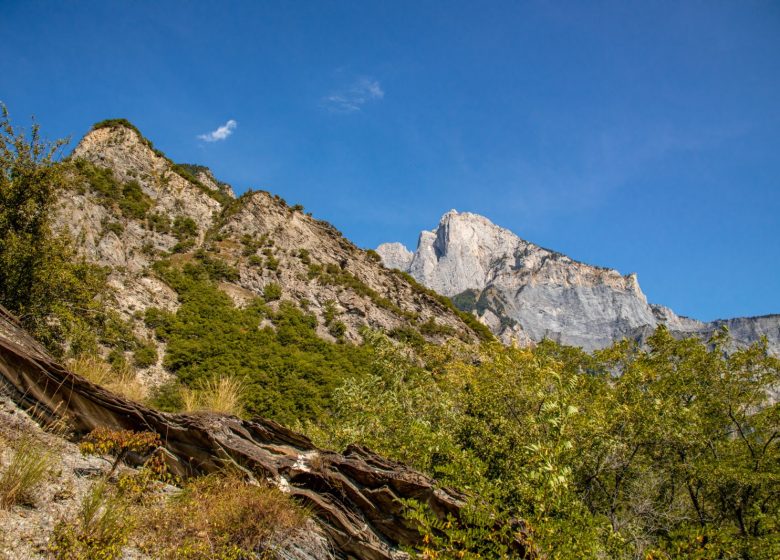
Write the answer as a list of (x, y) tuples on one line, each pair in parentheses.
[(526, 293)]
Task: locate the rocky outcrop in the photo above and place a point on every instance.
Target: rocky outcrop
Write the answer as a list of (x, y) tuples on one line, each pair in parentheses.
[(395, 255), (526, 293), (353, 496)]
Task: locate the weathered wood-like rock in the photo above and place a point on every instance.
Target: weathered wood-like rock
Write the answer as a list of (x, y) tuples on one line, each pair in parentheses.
[(354, 495)]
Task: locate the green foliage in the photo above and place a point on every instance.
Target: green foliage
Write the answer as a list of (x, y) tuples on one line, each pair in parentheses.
[(272, 291), (128, 198), (145, 355), (160, 223), (117, 123), (408, 335), (668, 452), (41, 279), (288, 372), (188, 171), (337, 329), (373, 255), (183, 246), (432, 328), (216, 268), (271, 262), (184, 227), (255, 260), (112, 227)]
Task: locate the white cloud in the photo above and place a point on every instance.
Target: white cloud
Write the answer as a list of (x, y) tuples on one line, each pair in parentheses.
[(220, 133), (352, 99)]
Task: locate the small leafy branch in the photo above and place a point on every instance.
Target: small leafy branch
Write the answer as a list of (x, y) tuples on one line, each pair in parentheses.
[(121, 443)]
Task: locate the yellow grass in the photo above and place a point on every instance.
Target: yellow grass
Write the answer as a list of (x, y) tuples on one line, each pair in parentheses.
[(221, 394), (122, 381)]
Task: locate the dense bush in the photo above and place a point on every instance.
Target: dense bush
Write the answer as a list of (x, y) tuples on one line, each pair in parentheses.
[(668, 452), (145, 355), (272, 291), (184, 227), (288, 372)]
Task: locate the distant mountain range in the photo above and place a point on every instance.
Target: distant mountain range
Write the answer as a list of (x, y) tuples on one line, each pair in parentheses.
[(526, 293)]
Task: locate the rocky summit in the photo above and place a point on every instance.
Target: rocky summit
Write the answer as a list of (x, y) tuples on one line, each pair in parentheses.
[(136, 207), (526, 293)]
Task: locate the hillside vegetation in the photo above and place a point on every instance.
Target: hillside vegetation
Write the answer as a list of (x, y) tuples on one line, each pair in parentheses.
[(671, 450)]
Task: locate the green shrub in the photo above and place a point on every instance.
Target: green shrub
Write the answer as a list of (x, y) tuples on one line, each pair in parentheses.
[(145, 355), (158, 320), (160, 223), (183, 246), (184, 227), (373, 256), (288, 371), (133, 202), (272, 291), (113, 227), (337, 329), (128, 198), (332, 274), (188, 172), (483, 333), (216, 268), (432, 328), (408, 335), (663, 451), (271, 262)]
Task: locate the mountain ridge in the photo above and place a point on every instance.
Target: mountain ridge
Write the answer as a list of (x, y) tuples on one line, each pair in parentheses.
[(526, 293), (134, 207)]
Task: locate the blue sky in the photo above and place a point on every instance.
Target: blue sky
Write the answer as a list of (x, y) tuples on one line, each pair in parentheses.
[(643, 136)]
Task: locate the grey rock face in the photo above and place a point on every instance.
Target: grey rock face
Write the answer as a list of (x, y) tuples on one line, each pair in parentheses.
[(395, 255), (526, 293)]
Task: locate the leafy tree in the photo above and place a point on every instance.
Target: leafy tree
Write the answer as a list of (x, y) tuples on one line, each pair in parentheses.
[(668, 451), (41, 279)]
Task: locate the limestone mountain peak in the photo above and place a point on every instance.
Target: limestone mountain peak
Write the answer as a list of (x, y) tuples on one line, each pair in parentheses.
[(527, 293)]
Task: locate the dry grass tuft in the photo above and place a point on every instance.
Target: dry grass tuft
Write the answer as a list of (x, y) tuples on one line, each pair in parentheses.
[(222, 517), (29, 466), (122, 381), (221, 394), (100, 530)]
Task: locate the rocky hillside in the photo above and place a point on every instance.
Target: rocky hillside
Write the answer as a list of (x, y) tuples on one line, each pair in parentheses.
[(133, 207), (526, 293), (354, 498)]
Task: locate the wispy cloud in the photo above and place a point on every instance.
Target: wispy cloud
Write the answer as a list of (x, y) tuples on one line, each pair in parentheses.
[(221, 133), (352, 98)]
